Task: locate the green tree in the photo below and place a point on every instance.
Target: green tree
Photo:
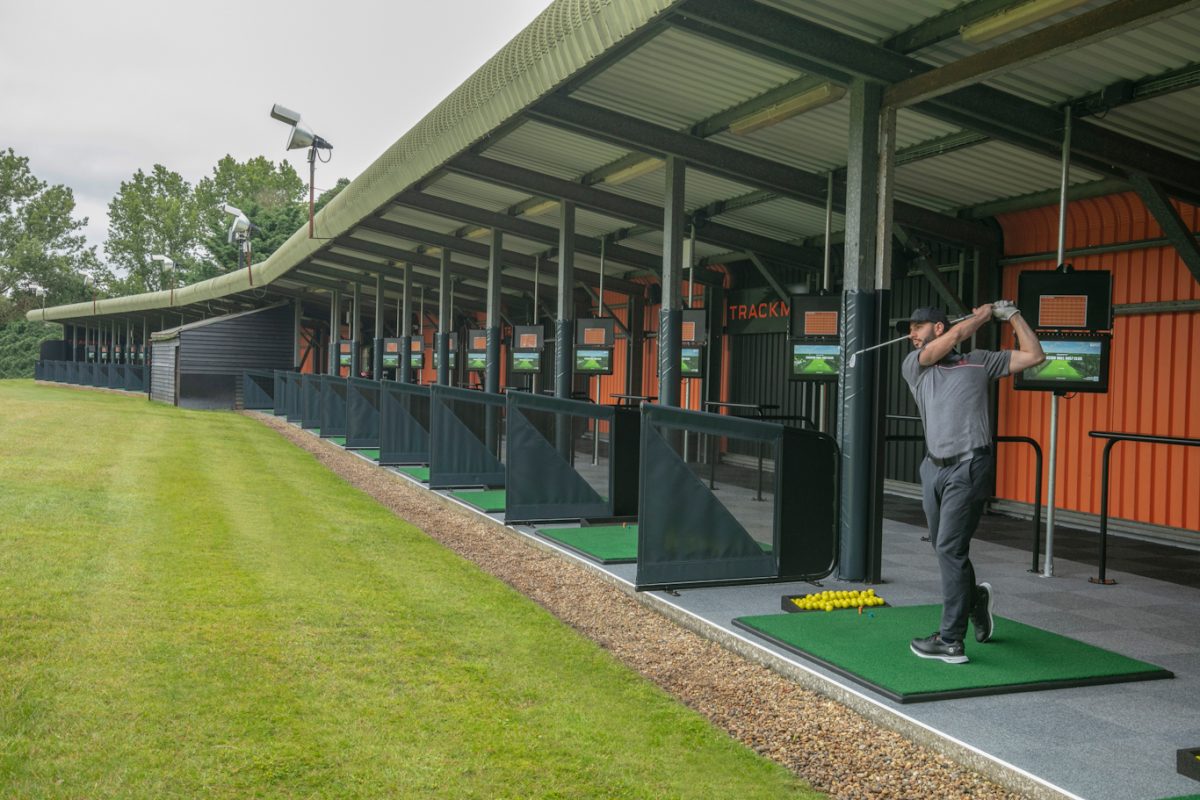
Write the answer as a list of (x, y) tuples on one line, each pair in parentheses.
[(154, 214), (271, 195), (42, 246)]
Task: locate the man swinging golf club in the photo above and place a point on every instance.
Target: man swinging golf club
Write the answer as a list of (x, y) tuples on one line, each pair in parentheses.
[(951, 391)]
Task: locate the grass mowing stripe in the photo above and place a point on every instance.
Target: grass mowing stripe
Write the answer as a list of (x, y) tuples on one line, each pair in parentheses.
[(218, 615)]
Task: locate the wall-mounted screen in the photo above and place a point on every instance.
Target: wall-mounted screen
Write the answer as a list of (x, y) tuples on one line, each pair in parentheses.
[(593, 361), (453, 359), (526, 363), (815, 362), (477, 360), (528, 338), (691, 362), (594, 332), (416, 361), (693, 327), (391, 353), (345, 350), (1073, 364), (477, 340), (815, 318), (1050, 299)]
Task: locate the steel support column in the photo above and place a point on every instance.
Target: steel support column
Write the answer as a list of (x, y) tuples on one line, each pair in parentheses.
[(445, 320), (404, 328), (864, 302), (564, 325), (491, 378), (670, 315), (297, 327), (377, 346), (335, 330), (355, 329)]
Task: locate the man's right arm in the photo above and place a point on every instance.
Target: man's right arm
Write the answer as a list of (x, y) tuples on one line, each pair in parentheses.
[(942, 346)]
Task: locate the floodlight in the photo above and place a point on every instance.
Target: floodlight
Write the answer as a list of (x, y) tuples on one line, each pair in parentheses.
[(240, 227), (284, 114)]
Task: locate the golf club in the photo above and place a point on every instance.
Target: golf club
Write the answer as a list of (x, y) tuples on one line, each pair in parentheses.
[(854, 356)]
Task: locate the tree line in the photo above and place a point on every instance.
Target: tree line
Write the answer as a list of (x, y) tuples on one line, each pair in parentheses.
[(45, 257)]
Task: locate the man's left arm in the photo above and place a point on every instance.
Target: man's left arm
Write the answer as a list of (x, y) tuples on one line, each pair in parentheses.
[(1029, 349)]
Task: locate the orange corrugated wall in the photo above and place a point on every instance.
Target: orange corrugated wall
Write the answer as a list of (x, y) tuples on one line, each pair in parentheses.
[(1154, 375)]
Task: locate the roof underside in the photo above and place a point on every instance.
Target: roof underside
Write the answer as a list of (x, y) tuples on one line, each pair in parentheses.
[(578, 103)]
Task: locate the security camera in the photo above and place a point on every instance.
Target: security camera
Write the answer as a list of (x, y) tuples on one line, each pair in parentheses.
[(284, 114), (163, 259)]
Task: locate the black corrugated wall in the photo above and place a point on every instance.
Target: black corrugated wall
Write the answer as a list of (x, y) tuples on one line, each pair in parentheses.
[(213, 356)]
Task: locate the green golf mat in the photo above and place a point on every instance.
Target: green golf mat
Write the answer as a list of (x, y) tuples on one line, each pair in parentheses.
[(872, 649), (608, 544), (369, 453), (420, 473), (487, 501), (1184, 797), (338, 440)]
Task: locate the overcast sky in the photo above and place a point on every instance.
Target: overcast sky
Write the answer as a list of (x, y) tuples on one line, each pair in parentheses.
[(93, 90)]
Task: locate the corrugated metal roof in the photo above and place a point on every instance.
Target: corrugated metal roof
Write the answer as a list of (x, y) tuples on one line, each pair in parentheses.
[(978, 174), (679, 78)]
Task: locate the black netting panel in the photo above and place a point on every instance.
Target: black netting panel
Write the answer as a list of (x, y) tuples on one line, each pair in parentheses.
[(280, 394), (333, 405), (558, 461), (403, 423), (362, 413), (310, 401), (135, 378), (467, 438)]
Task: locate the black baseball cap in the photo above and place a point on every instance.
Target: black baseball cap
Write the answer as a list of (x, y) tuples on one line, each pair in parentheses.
[(923, 314)]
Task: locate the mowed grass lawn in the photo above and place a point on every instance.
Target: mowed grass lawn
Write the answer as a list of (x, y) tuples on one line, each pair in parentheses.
[(192, 607)]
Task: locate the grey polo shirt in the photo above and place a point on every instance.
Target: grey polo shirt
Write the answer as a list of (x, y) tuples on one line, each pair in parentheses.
[(952, 396)]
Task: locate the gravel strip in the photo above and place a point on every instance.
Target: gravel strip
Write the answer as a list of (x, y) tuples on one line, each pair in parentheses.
[(828, 745)]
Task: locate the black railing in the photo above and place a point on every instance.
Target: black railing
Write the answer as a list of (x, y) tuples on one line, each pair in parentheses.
[(1037, 461), (1114, 437)]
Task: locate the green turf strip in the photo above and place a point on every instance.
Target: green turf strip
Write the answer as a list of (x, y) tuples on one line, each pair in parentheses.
[(608, 544), (338, 440), (872, 649), (420, 473), (489, 501), (1184, 797)]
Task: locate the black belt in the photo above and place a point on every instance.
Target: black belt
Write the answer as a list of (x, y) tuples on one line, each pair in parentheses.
[(952, 460)]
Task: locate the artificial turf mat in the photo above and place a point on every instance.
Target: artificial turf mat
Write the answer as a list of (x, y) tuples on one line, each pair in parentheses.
[(420, 473), (369, 453), (487, 501), (872, 649), (608, 544), (338, 440)]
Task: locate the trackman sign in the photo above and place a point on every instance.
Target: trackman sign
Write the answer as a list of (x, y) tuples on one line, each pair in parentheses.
[(756, 311)]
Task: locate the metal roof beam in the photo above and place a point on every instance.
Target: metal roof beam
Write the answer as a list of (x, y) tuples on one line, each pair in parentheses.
[(727, 162), (1167, 216), (769, 33), (625, 208), (1093, 26), (526, 230), (459, 245)]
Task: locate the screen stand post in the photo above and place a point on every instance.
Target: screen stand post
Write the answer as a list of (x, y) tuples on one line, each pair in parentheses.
[(1048, 564)]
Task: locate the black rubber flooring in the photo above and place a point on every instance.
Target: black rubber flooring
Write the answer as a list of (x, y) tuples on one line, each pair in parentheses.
[(1151, 560)]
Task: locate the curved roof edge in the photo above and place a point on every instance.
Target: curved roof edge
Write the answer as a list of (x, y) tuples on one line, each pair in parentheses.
[(562, 40)]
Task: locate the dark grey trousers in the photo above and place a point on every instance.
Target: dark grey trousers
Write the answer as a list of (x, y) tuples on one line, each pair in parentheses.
[(953, 498)]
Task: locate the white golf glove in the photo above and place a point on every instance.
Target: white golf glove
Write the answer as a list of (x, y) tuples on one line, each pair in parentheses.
[(1004, 310)]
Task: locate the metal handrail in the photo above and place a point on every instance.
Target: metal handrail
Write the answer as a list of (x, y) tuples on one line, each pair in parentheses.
[(1037, 456), (1113, 437)]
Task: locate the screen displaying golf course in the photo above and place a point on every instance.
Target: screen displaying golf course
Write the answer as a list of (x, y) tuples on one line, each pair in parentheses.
[(690, 364), (815, 361), (391, 360), (1076, 364), (416, 360), (477, 360), (593, 361), (526, 362)]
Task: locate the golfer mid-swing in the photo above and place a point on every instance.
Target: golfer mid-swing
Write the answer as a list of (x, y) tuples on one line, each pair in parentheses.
[(951, 391)]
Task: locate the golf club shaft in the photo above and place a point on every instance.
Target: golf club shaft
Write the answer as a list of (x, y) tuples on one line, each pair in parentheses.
[(854, 356)]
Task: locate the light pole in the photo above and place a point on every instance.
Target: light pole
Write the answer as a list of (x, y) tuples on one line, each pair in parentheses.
[(239, 232), (172, 264), (299, 137)]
